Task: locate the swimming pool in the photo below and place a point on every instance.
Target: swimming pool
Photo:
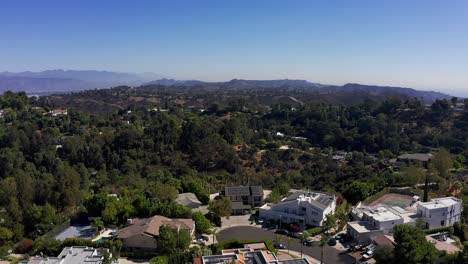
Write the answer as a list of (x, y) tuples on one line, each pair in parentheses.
[(103, 239)]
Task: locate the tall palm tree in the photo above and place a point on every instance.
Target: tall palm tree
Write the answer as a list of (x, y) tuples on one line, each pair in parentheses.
[(213, 232), (323, 241), (329, 225), (98, 224), (303, 238)]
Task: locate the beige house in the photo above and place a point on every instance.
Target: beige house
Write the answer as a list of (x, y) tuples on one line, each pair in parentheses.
[(141, 234)]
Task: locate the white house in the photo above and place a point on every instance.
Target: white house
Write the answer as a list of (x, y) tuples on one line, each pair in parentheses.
[(73, 255), (440, 212), (377, 220), (301, 207)]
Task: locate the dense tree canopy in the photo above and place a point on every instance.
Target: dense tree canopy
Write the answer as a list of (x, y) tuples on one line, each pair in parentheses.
[(133, 162), (412, 246)]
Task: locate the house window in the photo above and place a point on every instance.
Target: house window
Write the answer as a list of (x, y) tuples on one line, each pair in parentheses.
[(442, 223)]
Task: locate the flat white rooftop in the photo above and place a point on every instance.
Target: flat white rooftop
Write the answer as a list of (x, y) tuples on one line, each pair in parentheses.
[(382, 214), (362, 227), (440, 202)]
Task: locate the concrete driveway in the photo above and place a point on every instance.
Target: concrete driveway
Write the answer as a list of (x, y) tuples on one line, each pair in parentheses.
[(236, 220), (330, 255)]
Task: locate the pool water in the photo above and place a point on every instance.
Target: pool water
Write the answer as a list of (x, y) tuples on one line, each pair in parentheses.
[(103, 239)]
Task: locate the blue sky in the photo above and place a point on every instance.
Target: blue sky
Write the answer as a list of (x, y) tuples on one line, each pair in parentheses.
[(419, 43)]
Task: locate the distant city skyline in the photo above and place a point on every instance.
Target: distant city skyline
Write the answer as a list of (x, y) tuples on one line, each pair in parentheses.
[(417, 44)]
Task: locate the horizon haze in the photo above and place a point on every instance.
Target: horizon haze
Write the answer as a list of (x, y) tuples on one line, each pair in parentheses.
[(417, 44)]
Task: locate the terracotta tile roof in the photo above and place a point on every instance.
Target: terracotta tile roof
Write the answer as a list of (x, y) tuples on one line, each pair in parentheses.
[(151, 225)]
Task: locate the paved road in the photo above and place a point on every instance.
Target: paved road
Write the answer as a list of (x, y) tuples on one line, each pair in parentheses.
[(330, 255)]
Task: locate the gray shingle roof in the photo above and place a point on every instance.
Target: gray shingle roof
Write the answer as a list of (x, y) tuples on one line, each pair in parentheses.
[(416, 156), (323, 200), (187, 199), (243, 190)]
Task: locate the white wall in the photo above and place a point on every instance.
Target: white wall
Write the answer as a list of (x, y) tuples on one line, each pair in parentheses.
[(291, 212), (434, 216)]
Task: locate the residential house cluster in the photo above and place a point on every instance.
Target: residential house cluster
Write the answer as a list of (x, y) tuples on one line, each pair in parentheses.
[(372, 221)]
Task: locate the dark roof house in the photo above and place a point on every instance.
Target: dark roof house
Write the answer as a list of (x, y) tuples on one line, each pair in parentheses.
[(244, 198)]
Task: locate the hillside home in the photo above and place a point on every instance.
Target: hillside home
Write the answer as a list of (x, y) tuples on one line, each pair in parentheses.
[(440, 212), (141, 234), (247, 256), (301, 208), (378, 220), (244, 198), (415, 158)]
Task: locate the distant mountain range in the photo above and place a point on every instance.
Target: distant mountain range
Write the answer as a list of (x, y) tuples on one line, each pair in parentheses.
[(239, 84), (59, 81), (63, 81)]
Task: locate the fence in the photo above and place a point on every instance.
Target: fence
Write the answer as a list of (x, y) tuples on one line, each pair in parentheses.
[(58, 229)]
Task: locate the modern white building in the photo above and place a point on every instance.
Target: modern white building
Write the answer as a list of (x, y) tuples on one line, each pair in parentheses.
[(75, 255), (440, 212), (378, 220), (301, 207), (375, 220)]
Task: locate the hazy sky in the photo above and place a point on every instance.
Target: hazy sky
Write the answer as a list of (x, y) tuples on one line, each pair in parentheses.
[(421, 44)]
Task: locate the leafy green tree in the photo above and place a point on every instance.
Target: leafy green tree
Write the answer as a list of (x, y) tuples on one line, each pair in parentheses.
[(48, 246), (159, 260), (412, 246), (171, 241), (221, 207), (98, 224), (196, 186), (384, 254), (202, 223), (183, 240), (106, 257), (5, 234), (275, 195), (358, 191), (442, 162), (39, 219), (163, 192)]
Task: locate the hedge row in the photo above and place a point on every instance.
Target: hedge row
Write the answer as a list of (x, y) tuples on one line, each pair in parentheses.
[(314, 230), (439, 230)]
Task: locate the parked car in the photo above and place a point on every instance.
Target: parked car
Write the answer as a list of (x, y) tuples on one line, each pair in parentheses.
[(279, 245), (309, 242), (203, 238), (332, 242), (199, 241), (282, 232)]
